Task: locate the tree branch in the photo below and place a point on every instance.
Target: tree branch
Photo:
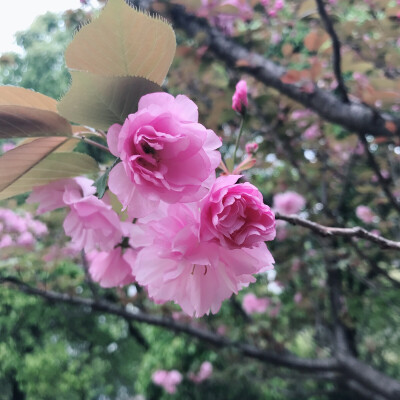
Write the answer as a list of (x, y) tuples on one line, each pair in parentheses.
[(355, 117), (282, 359), (336, 58), (344, 232)]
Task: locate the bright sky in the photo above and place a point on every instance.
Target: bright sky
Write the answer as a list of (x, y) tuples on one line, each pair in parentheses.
[(17, 15)]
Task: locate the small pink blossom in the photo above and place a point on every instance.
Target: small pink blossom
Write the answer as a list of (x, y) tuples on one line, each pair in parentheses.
[(252, 304), (113, 268), (166, 155), (365, 214), (8, 146), (298, 297), (169, 380), (239, 99), (235, 216), (312, 132), (174, 265), (288, 202), (206, 370)]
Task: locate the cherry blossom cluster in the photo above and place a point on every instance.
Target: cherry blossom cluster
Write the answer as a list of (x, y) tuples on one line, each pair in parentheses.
[(19, 230), (170, 380), (190, 237)]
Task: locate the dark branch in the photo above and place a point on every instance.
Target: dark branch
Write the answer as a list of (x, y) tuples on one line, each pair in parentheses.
[(336, 58), (356, 232), (283, 359)]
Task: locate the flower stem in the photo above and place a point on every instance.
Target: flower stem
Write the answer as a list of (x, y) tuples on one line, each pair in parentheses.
[(238, 139), (95, 144)]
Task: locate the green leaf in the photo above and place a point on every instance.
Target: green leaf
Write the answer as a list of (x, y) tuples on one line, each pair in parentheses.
[(101, 183), (100, 101), (123, 42)]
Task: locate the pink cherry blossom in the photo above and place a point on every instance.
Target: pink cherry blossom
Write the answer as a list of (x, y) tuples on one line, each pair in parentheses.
[(51, 196), (175, 266), (252, 304), (206, 370), (365, 214), (288, 202), (113, 268), (169, 380), (235, 216), (166, 155), (239, 99), (91, 222)]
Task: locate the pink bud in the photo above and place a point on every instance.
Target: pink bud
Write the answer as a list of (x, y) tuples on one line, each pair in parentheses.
[(239, 99), (251, 148)]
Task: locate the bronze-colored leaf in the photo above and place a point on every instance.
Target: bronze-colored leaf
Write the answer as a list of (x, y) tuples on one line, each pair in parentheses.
[(19, 122), (123, 42), (16, 96), (100, 101), (25, 113), (33, 165), (315, 39)]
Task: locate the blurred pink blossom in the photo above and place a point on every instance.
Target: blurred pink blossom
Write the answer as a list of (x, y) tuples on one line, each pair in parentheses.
[(312, 132), (365, 214), (169, 380), (7, 147), (252, 304), (298, 297), (26, 239), (288, 202), (206, 370), (6, 241)]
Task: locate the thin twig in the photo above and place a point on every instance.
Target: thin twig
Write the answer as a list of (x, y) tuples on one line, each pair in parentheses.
[(344, 232), (383, 182), (336, 58)]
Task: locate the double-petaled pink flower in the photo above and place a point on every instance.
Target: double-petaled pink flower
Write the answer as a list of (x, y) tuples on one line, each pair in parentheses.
[(174, 265), (234, 215), (166, 155)]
